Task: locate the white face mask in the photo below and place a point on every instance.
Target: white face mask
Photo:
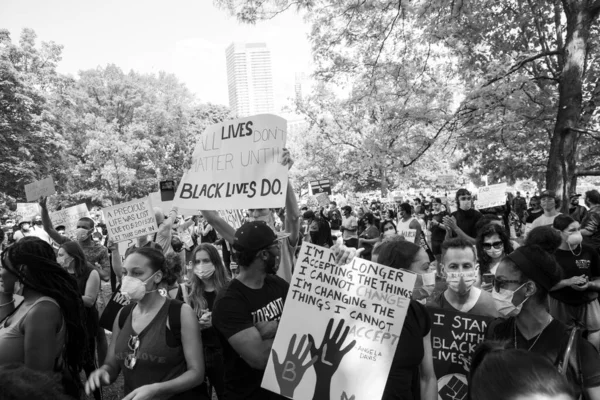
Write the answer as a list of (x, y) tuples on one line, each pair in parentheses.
[(504, 302), (494, 253), (204, 271), (135, 288), (428, 282), (465, 205), (454, 278), (574, 239), (389, 233), (82, 235)]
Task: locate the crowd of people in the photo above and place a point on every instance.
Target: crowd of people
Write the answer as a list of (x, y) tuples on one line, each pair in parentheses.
[(193, 309)]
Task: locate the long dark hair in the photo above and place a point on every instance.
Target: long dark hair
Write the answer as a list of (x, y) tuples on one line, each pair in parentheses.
[(220, 277), (79, 261), (489, 230), (44, 275)]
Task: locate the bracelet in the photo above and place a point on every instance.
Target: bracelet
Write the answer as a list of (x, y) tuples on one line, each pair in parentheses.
[(5, 304)]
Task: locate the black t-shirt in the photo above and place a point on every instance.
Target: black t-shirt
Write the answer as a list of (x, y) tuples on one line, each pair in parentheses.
[(586, 263), (438, 234), (403, 381), (466, 220), (550, 344), (532, 216), (238, 308)]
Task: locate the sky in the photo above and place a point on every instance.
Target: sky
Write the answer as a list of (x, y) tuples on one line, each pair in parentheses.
[(184, 37)]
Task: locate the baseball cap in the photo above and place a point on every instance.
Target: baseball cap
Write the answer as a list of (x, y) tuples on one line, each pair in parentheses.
[(547, 193), (462, 192), (308, 214), (347, 208), (255, 235), (574, 195)]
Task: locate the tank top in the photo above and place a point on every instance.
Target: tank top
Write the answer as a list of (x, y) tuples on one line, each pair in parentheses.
[(157, 360), (405, 230), (12, 339)]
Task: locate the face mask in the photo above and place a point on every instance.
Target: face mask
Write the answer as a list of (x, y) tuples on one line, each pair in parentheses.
[(204, 271), (575, 239), (134, 288), (64, 261), (465, 205), (504, 304), (389, 233), (428, 282), (494, 253), (455, 278), (81, 234)]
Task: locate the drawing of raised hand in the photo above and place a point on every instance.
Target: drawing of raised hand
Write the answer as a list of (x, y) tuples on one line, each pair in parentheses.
[(330, 355), (290, 371), (455, 389)]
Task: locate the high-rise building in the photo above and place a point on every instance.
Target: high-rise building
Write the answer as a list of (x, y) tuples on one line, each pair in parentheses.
[(249, 79)]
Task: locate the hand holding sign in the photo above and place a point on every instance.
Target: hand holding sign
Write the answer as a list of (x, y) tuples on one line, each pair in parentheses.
[(290, 371)]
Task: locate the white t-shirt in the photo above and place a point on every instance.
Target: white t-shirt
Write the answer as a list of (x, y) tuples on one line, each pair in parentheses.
[(350, 223), (405, 230), (543, 220)]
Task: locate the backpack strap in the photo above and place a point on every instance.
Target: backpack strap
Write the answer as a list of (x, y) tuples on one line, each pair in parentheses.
[(125, 311), (175, 319)]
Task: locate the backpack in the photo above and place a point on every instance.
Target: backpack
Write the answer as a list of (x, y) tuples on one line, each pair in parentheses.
[(174, 317)]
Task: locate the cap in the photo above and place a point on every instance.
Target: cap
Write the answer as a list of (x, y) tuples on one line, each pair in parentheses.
[(347, 208), (255, 235), (308, 214), (574, 195), (547, 193)]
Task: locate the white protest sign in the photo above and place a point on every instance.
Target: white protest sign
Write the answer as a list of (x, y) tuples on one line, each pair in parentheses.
[(237, 165), (27, 210), (130, 220), (323, 199), (69, 217), (491, 196), (35, 190), (234, 218), (166, 206), (445, 180), (356, 316)]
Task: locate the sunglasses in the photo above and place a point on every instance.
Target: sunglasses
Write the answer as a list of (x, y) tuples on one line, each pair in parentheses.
[(134, 345), (496, 245), (464, 198), (501, 283)]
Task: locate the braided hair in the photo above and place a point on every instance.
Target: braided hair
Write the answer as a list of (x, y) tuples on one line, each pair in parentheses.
[(44, 275)]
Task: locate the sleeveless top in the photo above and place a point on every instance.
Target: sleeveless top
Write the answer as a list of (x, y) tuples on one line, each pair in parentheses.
[(405, 230), (91, 313), (12, 339), (159, 358)]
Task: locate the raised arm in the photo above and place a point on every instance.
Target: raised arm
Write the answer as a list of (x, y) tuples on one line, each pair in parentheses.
[(57, 237), (219, 225)]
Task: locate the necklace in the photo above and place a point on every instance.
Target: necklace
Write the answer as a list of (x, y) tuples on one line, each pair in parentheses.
[(572, 252), (537, 337)]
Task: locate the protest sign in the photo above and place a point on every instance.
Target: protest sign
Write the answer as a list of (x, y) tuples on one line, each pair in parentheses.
[(356, 316), (69, 217), (491, 196), (167, 190), (445, 180), (454, 337), (320, 186), (237, 164), (233, 217), (130, 220), (27, 210), (35, 190), (322, 199)]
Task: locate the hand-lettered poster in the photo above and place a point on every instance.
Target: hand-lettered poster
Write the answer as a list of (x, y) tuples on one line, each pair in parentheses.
[(491, 196), (233, 217), (37, 189), (130, 220), (454, 337), (339, 330), (27, 210), (69, 217), (237, 165)]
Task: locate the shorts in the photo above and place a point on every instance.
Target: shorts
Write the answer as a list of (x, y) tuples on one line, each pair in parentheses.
[(586, 315), (436, 248)]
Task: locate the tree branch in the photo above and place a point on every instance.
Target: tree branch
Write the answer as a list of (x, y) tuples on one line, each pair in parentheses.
[(593, 134), (588, 173), (520, 65)]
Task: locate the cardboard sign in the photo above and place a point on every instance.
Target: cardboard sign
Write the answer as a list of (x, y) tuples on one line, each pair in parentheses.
[(27, 210), (322, 199), (35, 190), (356, 316), (130, 220), (320, 186), (454, 337), (167, 190), (69, 217), (237, 165), (234, 218), (445, 180), (491, 196)]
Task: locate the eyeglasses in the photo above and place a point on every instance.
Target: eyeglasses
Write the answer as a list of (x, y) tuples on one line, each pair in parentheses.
[(464, 198), (496, 245), (134, 345), (501, 283)]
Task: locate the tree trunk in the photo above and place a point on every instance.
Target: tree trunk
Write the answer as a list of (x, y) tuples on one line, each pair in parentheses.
[(560, 174), (384, 183)]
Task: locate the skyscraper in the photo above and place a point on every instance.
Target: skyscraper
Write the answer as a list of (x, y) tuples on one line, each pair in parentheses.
[(249, 79)]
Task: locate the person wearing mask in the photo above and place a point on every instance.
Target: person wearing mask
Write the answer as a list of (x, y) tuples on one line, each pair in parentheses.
[(498, 373), (519, 205), (550, 205), (408, 226), (521, 285), (37, 229), (577, 212), (23, 231), (157, 343), (72, 259), (411, 375), (575, 298), (532, 213), (492, 245), (459, 263), (334, 218), (207, 278), (369, 237), (438, 230), (46, 331), (591, 224), (349, 227), (461, 223), (319, 232)]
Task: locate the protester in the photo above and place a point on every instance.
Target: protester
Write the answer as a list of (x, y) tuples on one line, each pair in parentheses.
[(575, 298), (319, 232), (460, 266), (438, 230), (498, 373), (521, 287), (492, 245), (206, 232), (388, 229), (411, 374), (519, 205), (369, 237), (156, 340), (461, 223), (550, 204), (577, 212), (408, 226), (46, 331), (334, 218), (591, 224), (37, 229), (349, 227), (72, 259), (534, 211), (205, 281), (24, 230)]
